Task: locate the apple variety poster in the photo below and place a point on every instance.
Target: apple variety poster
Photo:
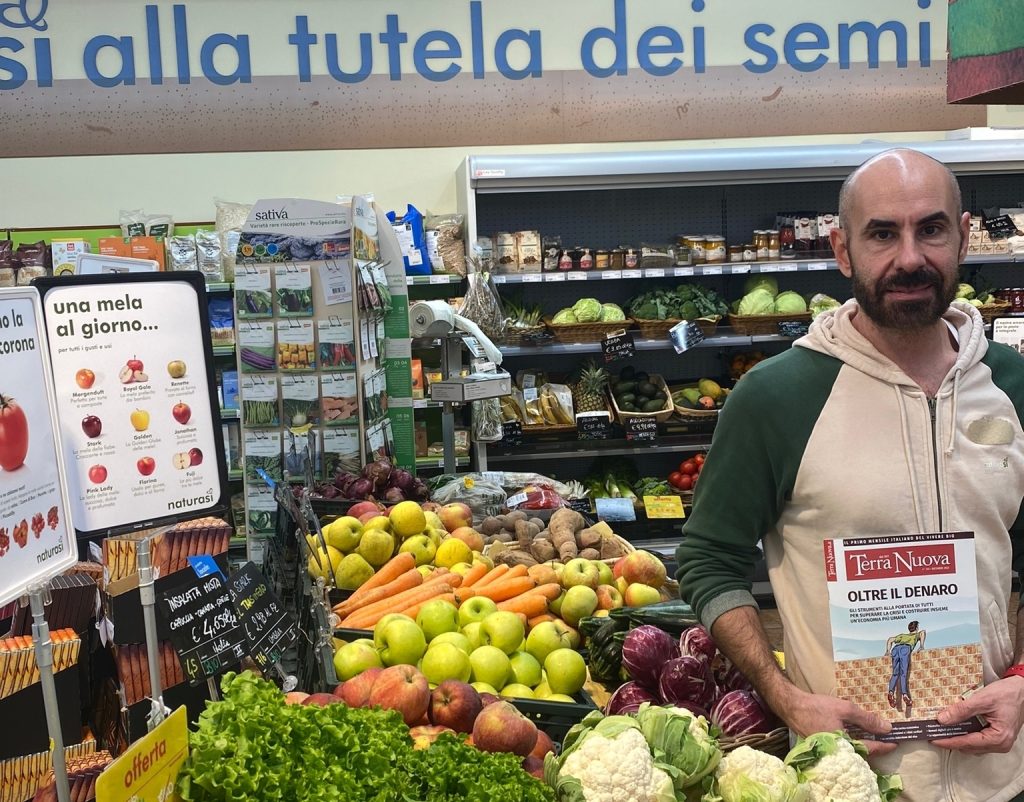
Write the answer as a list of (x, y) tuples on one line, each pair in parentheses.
[(139, 424), (36, 539)]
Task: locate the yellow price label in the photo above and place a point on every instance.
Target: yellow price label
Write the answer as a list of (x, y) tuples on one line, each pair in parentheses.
[(664, 507), (148, 770)]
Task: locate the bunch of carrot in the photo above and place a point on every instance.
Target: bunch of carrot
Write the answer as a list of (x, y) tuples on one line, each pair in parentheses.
[(399, 588)]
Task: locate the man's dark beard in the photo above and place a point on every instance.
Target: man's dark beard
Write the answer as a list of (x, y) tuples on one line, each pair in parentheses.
[(904, 315)]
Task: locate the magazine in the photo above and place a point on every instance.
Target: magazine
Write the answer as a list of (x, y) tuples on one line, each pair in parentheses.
[(906, 635)]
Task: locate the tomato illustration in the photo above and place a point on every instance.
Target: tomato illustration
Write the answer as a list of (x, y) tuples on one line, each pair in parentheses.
[(13, 434)]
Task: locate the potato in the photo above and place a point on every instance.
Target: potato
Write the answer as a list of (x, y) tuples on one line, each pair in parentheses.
[(588, 538), (542, 549), (491, 525), (590, 554)]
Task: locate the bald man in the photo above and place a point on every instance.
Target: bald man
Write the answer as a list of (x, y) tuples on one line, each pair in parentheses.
[(864, 428)]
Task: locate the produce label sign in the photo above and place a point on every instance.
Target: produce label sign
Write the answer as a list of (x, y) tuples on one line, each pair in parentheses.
[(269, 627), (139, 416), (618, 346), (148, 770), (664, 507), (36, 538), (906, 636), (204, 629)]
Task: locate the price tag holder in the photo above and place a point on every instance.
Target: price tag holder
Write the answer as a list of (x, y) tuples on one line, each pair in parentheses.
[(711, 270), (654, 272), (632, 273), (682, 272), (532, 278), (618, 346), (593, 425), (685, 335), (664, 507), (269, 627), (817, 265), (512, 433), (554, 277), (641, 430), (615, 509), (576, 275), (784, 268), (514, 501), (204, 630)]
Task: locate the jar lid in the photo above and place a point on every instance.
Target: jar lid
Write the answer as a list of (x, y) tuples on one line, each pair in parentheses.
[(771, 231), (749, 246), (715, 239)]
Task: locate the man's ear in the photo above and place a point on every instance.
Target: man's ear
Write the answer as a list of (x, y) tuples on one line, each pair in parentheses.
[(837, 236), (965, 235)]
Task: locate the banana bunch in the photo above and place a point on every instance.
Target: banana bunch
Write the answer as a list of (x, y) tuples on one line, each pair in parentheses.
[(553, 411), (510, 410)]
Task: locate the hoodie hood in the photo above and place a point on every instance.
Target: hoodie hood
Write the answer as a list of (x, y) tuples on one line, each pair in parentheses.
[(834, 334)]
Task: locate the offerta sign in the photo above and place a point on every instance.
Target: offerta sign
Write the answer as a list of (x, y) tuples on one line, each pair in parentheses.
[(36, 540)]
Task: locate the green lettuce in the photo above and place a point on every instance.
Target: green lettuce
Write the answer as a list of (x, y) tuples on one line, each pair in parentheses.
[(790, 303), (587, 310), (761, 281), (756, 302)]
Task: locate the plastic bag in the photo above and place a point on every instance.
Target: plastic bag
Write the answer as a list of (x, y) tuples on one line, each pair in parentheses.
[(540, 497), (482, 305), (483, 497), (231, 219), (409, 230), (451, 247), (487, 421)]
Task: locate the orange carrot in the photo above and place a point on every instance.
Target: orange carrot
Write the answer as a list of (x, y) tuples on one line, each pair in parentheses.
[(474, 573), (496, 572), (413, 611), (392, 604), (409, 579), (366, 618), (388, 572), (539, 619), (549, 591), (506, 588), (517, 571), (529, 604)]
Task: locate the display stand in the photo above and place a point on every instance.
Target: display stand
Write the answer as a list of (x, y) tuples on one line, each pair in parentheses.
[(147, 594)]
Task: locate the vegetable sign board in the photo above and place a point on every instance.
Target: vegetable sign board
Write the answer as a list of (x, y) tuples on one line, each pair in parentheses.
[(136, 396), (269, 627), (148, 770), (36, 538)]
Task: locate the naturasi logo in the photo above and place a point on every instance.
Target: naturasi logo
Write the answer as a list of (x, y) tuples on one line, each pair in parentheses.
[(26, 14)]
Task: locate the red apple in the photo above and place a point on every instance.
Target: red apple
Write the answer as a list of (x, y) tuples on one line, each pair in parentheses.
[(534, 766), (455, 515), (369, 516), (85, 378), (502, 728), (356, 691), (97, 474), (195, 456), (430, 506), (92, 426), (135, 363), (617, 567), (362, 507), (404, 689), (644, 568), (181, 412), (339, 690), (469, 536), (424, 736), (146, 465), (455, 704), (295, 698), (543, 745), (488, 698), (321, 699)]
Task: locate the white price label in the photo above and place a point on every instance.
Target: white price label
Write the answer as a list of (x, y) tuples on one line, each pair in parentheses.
[(817, 266), (786, 268), (555, 277), (632, 273), (514, 501), (682, 271), (655, 272), (711, 270), (497, 278), (737, 269), (440, 279), (532, 278), (613, 274), (576, 275)]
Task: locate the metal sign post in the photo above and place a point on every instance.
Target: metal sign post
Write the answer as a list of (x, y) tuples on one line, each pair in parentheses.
[(147, 595)]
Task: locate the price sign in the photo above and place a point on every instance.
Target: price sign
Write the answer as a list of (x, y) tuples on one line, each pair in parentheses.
[(204, 630), (618, 346), (579, 504), (1000, 227), (512, 433), (514, 501), (269, 627), (685, 335), (680, 272), (148, 769), (641, 430), (615, 509), (532, 278), (594, 425), (784, 268), (711, 270), (654, 272), (664, 507), (576, 275), (817, 265)]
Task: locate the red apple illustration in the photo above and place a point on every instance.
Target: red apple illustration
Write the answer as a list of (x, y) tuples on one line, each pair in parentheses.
[(181, 412), (135, 363), (97, 474), (85, 378), (92, 426), (146, 465), (195, 456)]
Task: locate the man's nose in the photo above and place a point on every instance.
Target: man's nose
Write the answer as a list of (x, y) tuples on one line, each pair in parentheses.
[(909, 254)]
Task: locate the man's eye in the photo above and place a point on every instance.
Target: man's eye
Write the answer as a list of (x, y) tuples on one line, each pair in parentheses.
[(881, 235), (932, 230)]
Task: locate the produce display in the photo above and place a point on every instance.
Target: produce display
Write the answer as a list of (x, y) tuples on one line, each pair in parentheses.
[(588, 310), (689, 470), (685, 302), (761, 296), (705, 395), (379, 480), (637, 391)]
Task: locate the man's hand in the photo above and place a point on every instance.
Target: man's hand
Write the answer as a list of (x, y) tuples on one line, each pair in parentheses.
[(1002, 705), (807, 713)]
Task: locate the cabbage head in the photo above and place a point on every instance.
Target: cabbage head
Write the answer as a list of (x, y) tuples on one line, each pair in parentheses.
[(822, 303), (564, 316), (587, 310), (964, 291), (612, 312), (761, 281), (757, 302), (790, 303)]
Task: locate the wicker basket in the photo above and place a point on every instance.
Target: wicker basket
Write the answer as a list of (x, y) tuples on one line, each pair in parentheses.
[(764, 324), (548, 428), (517, 336), (775, 742), (990, 312), (660, 416), (586, 332), (658, 329), (694, 415)]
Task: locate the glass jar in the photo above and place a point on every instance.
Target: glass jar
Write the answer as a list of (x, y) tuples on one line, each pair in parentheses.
[(631, 260), (761, 243), (618, 258), (735, 253), (576, 254), (602, 259), (714, 249), (749, 252), (774, 245), (586, 260), (787, 242), (565, 260), (696, 245)]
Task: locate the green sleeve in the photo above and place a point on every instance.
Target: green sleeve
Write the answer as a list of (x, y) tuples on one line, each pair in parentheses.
[(749, 474)]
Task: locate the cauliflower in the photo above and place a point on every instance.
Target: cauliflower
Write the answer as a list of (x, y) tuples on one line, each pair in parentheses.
[(608, 762), (834, 768), (748, 775)]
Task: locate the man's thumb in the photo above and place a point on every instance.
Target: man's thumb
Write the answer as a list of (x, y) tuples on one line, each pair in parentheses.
[(954, 714)]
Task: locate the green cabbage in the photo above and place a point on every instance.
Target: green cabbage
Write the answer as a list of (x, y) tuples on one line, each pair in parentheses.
[(822, 303), (757, 281), (757, 302), (564, 316), (612, 312), (681, 740), (965, 291), (790, 303), (587, 310)]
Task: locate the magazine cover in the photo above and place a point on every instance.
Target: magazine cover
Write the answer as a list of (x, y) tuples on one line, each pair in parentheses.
[(906, 637)]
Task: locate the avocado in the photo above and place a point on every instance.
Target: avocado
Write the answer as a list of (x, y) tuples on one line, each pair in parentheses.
[(641, 376), (659, 396), (627, 407), (624, 387), (691, 394), (684, 403), (625, 398), (646, 389), (628, 373), (653, 406)]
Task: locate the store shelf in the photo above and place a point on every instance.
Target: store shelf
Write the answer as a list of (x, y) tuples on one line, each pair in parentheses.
[(440, 278), (598, 448), (436, 462), (223, 350), (718, 341)]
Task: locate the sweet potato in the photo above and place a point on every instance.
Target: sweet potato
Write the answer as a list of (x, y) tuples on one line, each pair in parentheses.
[(590, 554), (611, 548), (588, 538), (564, 525), (516, 557), (525, 533), (542, 549)]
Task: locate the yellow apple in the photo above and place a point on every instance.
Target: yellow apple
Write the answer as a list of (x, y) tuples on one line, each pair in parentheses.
[(140, 420)]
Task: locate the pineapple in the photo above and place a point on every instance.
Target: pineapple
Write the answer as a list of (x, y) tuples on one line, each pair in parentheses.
[(588, 392)]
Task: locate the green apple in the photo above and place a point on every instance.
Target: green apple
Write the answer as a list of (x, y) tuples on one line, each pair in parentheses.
[(560, 697), (352, 572), (542, 691), (343, 533), (503, 629), (354, 658), (580, 572), (445, 661), (473, 635), (420, 547), (525, 669), (400, 641), (604, 571), (437, 616), (579, 602), (566, 670), (476, 608), (546, 637), (491, 665), (454, 638), (368, 641), (555, 605), (435, 536), (383, 622), (518, 690), (484, 687), (376, 546), (460, 568), (639, 595)]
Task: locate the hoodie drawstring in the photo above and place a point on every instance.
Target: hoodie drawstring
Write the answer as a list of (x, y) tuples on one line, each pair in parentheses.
[(905, 432), (952, 424)]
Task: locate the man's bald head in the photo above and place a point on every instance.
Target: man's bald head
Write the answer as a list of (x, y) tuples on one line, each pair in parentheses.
[(898, 160)]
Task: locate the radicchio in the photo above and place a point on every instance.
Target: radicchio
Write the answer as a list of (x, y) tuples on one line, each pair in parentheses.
[(627, 699), (644, 651), (740, 713), (687, 679), (697, 641)]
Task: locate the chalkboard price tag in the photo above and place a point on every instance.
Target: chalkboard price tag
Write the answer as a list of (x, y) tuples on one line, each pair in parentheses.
[(641, 430), (1000, 227), (269, 627), (512, 433), (618, 346), (594, 425), (685, 335), (204, 630), (615, 509), (579, 504)]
